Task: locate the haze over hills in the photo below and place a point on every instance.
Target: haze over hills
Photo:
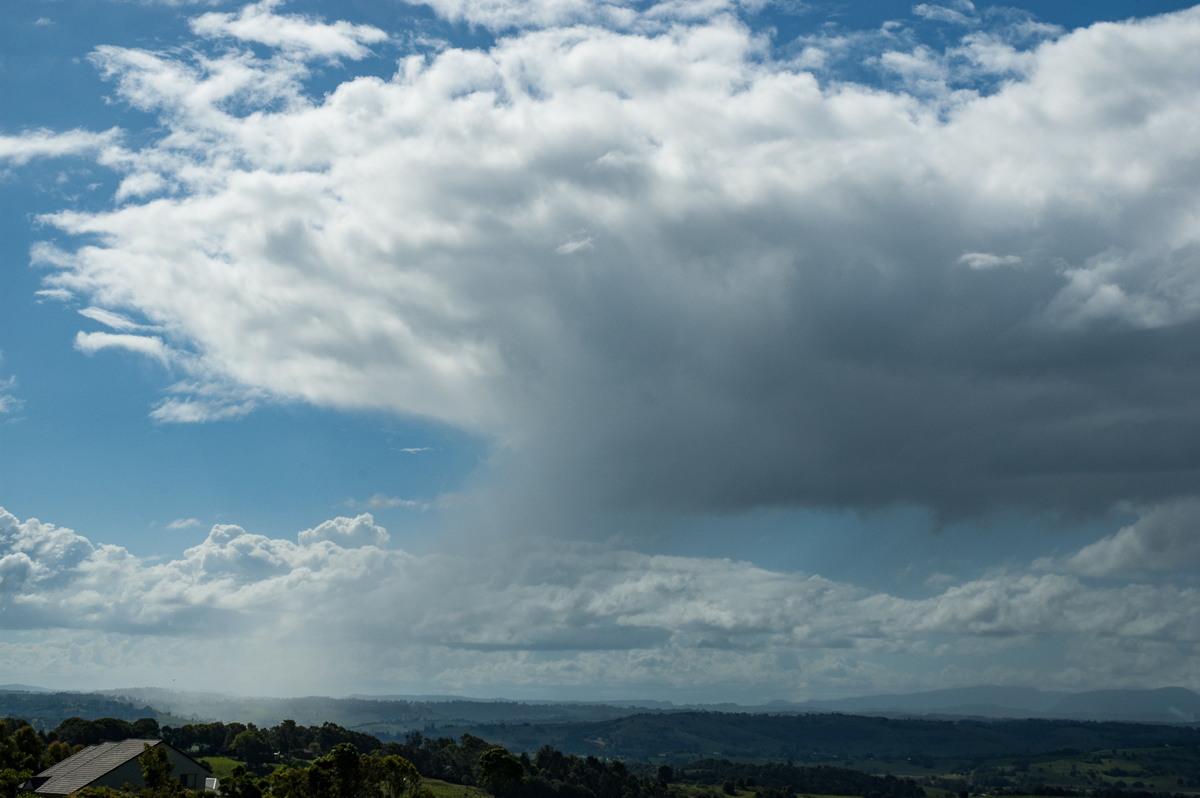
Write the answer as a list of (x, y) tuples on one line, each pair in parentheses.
[(393, 715), (1163, 705)]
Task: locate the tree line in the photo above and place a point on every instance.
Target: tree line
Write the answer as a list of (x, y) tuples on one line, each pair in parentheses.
[(328, 761)]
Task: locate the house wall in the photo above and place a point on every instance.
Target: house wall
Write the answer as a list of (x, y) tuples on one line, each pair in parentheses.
[(129, 773), (187, 771)]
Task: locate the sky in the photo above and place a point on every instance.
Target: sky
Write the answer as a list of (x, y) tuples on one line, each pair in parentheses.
[(704, 351)]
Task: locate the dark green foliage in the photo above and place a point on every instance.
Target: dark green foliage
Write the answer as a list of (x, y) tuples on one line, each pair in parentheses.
[(395, 776), (681, 737), (146, 728), (56, 752), (156, 772), (247, 742), (202, 739), (104, 792), (241, 784), (329, 761), (252, 746), (820, 780), (288, 738), (47, 710), (16, 762), (79, 731), (345, 771), (342, 773), (27, 749), (500, 770)]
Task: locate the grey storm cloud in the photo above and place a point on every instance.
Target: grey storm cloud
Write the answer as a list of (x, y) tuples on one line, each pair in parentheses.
[(664, 268)]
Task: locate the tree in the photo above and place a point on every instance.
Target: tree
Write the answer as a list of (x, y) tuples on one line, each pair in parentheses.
[(395, 776), (156, 772), (288, 783), (145, 728), (287, 736), (240, 784), (252, 746), (499, 770), (56, 752), (29, 749), (343, 765), (14, 763)]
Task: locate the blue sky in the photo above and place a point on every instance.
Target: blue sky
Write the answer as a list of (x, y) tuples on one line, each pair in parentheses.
[(701, 351)]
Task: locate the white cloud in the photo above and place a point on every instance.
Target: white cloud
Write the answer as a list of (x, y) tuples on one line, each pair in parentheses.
[(184, 523), (56, 294), (568, 615), (575, 244), (347, 532), (149, 345), (961, 16), (9, 402), (199, 410), (768, 305), (503, 15), (48, 144), (116, 321), (987, 260), (381, 501), (291, 33), (140, 184), (1165, 537)]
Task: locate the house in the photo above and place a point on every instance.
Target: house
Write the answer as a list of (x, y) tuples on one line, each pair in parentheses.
[(114, 765)]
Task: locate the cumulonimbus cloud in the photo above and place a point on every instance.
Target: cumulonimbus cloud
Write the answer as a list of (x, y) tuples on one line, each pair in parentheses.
[(671, 268)]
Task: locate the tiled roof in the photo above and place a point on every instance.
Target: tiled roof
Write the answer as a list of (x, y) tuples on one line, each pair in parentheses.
[(78, 771)]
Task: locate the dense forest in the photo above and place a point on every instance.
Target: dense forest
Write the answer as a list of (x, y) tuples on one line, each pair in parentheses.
[(869, 757), (329, 761), (682, 737)]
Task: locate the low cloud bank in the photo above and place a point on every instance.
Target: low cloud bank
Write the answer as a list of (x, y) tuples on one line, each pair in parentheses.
[(568, 618)]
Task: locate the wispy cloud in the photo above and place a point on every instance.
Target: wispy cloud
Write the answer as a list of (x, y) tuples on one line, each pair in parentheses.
[(48, 144), (963, 13), (199, 410), (986, 260), (10, 403), (381, 501), (293, 33), (113, 320), (150, 345)]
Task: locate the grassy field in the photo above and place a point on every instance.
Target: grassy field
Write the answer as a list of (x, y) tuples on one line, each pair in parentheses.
[(444, 789), (715, 791), (222, 766)]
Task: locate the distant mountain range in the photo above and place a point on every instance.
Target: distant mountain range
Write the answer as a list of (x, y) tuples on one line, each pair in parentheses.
[(394, 715), (1164, 705)]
